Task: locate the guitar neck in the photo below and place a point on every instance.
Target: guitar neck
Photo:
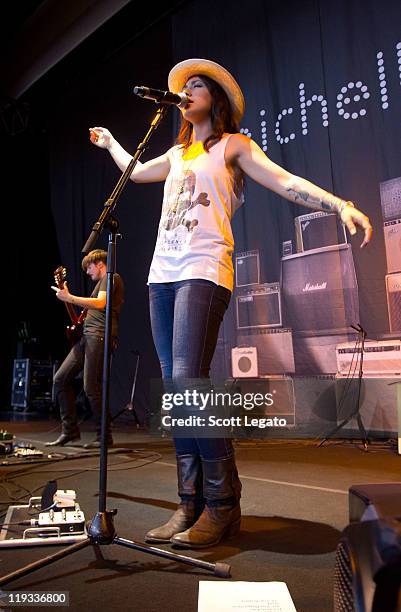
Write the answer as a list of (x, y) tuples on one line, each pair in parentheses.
[(71, 313), (59, 279)]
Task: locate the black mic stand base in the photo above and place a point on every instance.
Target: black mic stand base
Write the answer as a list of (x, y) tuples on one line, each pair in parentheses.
[(101, 532), (364, 439)]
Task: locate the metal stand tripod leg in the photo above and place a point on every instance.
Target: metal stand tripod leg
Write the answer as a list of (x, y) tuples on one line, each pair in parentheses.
[(221, 570)]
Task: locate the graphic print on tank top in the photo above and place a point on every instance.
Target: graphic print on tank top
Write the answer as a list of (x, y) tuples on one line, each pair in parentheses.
[(175, 225)]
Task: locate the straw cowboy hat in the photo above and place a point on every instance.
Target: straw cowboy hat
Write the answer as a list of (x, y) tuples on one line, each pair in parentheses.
[(182, 71)]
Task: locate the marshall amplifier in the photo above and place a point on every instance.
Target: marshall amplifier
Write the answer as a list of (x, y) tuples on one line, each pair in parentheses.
[(379, 357), (393, 289), (247, 268), (392, 241), (320, 292), (317, 230), (259, 307), (390, 197), (274, 349)]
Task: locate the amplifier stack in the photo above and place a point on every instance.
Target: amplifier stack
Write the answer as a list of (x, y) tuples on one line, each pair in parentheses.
[(390, 196), (263, 348), (32, 384)]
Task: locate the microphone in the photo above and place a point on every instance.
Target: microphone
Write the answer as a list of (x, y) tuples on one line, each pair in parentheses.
[(162, 97)]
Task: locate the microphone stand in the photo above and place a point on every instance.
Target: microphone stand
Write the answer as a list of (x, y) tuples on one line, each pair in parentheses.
[(355, 414), (101, 529)]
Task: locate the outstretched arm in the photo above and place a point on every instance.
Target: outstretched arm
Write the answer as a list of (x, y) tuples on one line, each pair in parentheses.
[(152, 171), (251, 159)]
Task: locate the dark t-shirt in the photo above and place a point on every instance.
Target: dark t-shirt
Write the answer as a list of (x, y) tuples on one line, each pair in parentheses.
[(95, 320)]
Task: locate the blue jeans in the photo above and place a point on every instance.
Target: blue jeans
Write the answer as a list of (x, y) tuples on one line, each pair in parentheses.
[(186, 317)]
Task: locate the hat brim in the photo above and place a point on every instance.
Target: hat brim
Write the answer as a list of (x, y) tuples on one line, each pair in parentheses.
[(182, 71)]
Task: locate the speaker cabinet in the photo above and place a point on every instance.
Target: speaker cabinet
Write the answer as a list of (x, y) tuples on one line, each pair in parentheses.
[(247, 268), (245, 362), (377, 405), (274, 348), (320, 291), (392, 242), (281, 389), (390, 198), (315, 405), (317, 230), (259, 307), (317, 354), (393, 289)]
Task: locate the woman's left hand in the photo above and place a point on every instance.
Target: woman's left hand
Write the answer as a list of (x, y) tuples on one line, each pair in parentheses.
[(351, 217)]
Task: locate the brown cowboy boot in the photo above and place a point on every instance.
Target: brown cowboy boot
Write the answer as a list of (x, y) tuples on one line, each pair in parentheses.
[(189, 473), (222, 514)]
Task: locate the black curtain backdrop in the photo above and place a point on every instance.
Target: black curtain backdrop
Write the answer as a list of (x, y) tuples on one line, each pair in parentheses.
[(279, 52), (83, 176)]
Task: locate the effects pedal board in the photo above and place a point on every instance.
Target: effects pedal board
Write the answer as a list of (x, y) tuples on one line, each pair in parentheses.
[(65, 521)]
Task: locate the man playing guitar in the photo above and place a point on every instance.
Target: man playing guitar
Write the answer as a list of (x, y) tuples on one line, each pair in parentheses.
[(87, 350)]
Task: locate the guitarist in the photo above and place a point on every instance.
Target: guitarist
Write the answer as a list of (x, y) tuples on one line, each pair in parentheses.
[(87, 352)]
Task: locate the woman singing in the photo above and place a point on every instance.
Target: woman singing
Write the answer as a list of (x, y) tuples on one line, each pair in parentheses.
[(191, 275)]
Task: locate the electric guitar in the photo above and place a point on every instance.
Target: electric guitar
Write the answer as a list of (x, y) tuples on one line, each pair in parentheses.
[(74, 332)]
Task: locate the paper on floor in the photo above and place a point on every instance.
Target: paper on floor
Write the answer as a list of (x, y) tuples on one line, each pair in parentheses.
[(244, 597)]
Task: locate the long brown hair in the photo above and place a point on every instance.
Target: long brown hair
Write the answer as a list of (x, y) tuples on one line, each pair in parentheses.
[(221, 114)]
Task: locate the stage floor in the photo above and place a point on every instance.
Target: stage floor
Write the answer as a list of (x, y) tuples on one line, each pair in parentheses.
[(294, 503)]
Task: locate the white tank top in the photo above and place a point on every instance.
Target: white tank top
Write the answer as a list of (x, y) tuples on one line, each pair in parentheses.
[(195, 238)]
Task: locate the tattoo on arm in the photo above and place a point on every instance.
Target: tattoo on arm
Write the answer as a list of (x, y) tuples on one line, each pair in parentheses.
[(304, 197)]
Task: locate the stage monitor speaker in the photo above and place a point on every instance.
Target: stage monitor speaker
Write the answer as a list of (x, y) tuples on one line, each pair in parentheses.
[(390, 197), (367, 576), (320, 291), (393, 289), (274, 349), (247, 268), (392, 242), (244, 362), (317, 230), (259, 306), (373, 501)]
